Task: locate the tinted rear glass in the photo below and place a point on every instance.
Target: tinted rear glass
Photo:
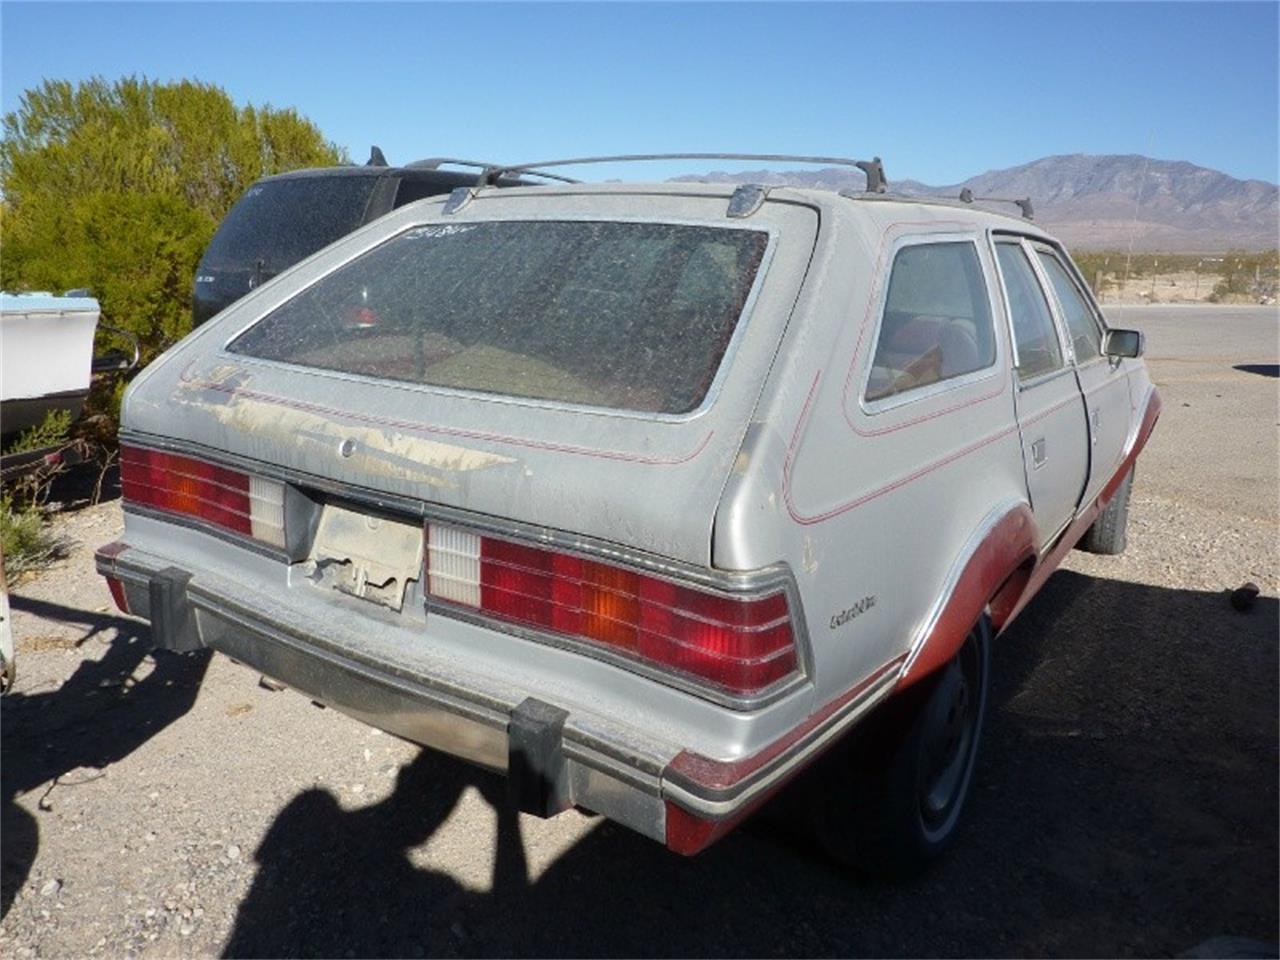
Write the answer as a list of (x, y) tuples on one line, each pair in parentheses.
[(283, 221), (625, 315)]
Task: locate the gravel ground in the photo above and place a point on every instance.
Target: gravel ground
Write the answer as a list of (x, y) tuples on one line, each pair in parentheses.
[(1125, 804)]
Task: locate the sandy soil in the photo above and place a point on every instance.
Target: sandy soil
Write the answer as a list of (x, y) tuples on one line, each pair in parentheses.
[(1183, 287), (1126, 802)]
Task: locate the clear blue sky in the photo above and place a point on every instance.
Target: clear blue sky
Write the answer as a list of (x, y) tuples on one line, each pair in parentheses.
[(940, 91)]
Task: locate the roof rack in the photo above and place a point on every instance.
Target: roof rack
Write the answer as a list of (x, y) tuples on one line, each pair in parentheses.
[(435, 163), (1028, 213), (873, 168)]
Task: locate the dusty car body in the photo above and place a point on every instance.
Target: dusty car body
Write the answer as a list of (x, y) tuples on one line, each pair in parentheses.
[(657, 609)]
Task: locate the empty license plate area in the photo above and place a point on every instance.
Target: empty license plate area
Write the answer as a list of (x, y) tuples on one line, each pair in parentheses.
[(367, 556)]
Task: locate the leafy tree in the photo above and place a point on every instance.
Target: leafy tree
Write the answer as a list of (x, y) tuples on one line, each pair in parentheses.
[(118, 187)]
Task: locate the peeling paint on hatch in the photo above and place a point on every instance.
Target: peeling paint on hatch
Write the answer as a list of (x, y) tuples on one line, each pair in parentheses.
[(385, 452)]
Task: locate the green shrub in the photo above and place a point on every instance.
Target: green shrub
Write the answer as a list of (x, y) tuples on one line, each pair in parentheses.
[(118, 187), (54, 429), (25, 540)]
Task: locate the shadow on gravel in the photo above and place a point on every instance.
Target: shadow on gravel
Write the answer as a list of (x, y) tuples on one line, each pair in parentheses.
[(1261, 369), (83, 485), (1125, 804), (97, 717)]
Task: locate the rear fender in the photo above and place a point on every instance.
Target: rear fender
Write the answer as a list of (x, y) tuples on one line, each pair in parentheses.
[(992, 573)]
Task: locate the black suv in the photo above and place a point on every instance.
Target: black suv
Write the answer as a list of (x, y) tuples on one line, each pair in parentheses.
[(284, 218)]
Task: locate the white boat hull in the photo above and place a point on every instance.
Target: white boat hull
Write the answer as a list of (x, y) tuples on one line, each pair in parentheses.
[(46, 356)]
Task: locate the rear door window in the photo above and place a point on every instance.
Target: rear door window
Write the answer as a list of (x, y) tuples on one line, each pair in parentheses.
[(1034, 336), (631, 316), (937, 319), (1086, 337), (279, 222)]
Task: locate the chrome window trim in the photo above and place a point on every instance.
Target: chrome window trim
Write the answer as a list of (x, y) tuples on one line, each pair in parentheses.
[(1043, 378), (872, 408), (741, 325), (1068, 361), (1092, 362), (1082, 285), (1055, 303)]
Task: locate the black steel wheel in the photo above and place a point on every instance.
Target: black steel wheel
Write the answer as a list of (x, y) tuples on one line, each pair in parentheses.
[(889, 801), (948, 741)]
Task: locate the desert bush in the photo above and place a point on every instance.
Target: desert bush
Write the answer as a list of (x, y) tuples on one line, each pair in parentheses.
[(25, 540), (118, 187), (54, 429)]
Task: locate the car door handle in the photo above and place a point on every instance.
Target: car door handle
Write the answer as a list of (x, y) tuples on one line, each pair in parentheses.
[(1038, 452), (1095, 419)]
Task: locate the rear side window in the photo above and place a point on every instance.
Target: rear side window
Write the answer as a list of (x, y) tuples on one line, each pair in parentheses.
[(279, 222), (1086, 338), (1034, 335), (937, 320), (631, 316)]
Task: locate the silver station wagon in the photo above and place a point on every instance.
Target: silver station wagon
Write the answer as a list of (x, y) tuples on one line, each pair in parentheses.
[(647, 495)]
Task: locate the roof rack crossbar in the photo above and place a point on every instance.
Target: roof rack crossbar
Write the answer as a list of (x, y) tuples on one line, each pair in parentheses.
[(1028, 212), (873, 168), (435, 163)]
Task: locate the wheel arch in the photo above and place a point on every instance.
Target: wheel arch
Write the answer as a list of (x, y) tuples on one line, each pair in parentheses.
[(989, 577)]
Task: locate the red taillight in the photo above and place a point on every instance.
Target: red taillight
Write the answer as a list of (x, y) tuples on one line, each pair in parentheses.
[(741, 644), (218, 495)]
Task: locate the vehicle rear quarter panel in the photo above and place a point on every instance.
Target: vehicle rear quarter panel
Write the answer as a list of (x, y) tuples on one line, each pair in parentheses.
[(876, 512)]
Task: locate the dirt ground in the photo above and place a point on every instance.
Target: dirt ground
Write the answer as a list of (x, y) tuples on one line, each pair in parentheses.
[(1185, 286), (1126, 802)]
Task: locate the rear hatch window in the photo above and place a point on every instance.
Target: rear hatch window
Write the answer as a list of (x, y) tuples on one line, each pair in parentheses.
[(279, 222), (633, 316)]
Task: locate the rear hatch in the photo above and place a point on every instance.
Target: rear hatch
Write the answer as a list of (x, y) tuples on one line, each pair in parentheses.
[(278, 222), (585, 362)]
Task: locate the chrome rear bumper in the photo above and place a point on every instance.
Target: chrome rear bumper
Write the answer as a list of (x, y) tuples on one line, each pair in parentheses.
[(550, 769), (553, 758)]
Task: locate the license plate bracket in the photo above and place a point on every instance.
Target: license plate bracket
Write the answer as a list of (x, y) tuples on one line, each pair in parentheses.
[(367, 556)]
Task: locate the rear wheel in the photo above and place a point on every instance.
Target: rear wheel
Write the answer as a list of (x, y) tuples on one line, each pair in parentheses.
[(1108, 533), (891, 798)]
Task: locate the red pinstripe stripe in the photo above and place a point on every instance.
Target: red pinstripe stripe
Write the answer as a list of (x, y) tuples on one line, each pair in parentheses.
[(415, 427)]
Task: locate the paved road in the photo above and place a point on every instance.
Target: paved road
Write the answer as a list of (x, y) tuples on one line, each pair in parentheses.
[(1125, 804), (1217, 369)]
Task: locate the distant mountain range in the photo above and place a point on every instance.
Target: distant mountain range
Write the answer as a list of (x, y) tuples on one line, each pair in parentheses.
[(1098, 202)]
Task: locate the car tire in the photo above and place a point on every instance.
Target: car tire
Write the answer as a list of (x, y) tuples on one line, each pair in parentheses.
[(1107, 536), (888, 802)]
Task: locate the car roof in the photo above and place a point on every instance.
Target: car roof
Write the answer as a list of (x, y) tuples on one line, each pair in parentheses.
[(442, 177), (885, 207)]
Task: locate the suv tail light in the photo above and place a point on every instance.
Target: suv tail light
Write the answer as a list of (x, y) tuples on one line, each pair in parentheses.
[(235, 501), (741, 644)]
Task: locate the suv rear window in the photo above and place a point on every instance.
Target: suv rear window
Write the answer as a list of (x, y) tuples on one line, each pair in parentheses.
[(283, 221), (631, 316)]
